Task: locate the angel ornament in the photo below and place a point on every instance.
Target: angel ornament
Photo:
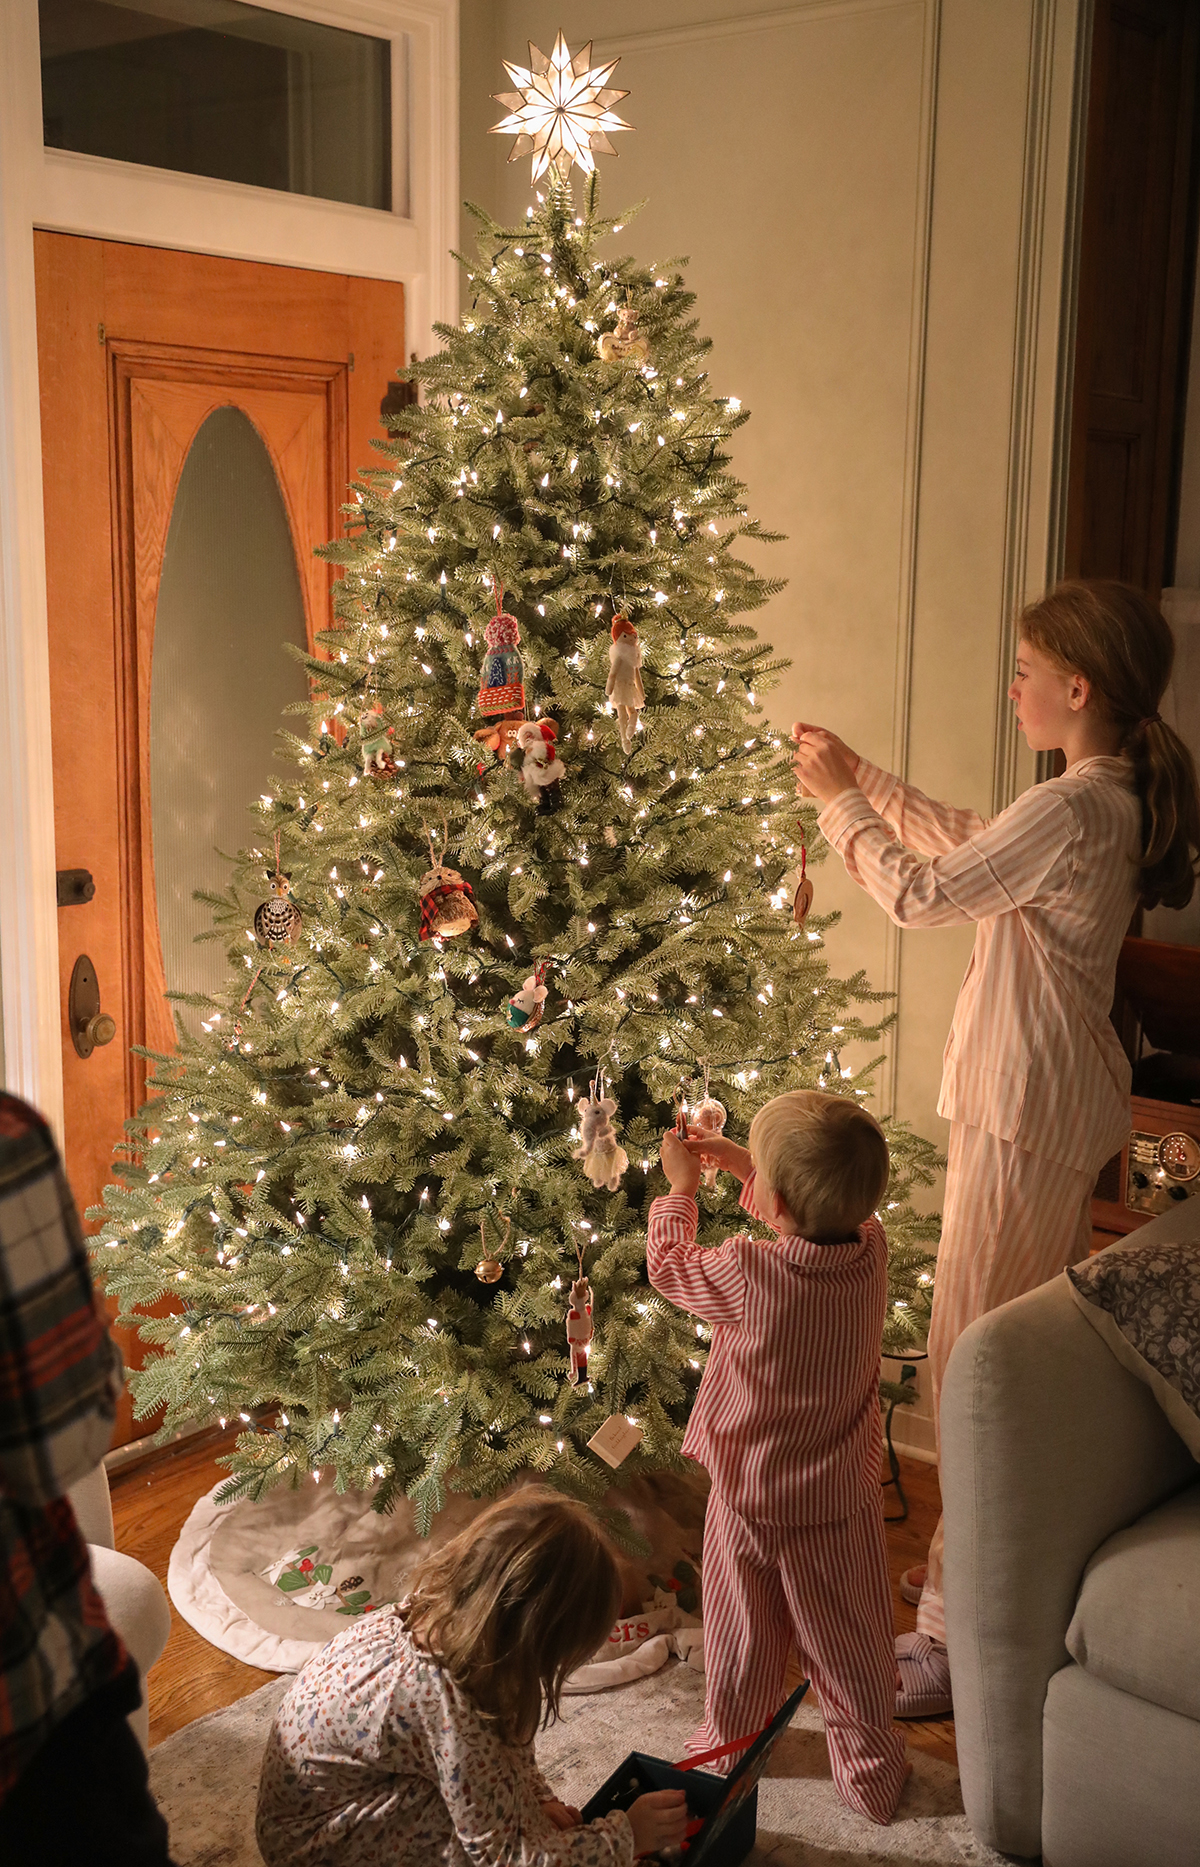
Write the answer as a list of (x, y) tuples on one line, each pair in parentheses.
[(626, 343), (604, 1159), (708, 1119), (624, 687), (579, 1328)]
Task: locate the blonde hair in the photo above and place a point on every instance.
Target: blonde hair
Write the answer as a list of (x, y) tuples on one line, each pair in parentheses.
[(824, 1156), (514, 1603), (1120, 642)]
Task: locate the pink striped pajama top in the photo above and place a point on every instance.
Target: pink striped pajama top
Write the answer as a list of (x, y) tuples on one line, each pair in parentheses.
[(786, 1421), (1052, 881)]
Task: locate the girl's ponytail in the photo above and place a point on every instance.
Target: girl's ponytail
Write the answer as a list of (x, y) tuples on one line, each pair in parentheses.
[(1119, 641), (1166, 780)]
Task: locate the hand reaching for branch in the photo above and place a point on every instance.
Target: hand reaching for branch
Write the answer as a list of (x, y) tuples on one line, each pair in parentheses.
[(824, 765)]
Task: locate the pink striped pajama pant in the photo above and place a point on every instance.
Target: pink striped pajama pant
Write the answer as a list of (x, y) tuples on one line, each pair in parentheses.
[(825, 1587), (1011, 1221)]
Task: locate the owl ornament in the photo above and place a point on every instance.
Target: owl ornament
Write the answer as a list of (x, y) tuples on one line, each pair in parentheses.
[(579, 1329), (707, 1118), (447, 907), (626, 344), (278, 920), (604, 1159)]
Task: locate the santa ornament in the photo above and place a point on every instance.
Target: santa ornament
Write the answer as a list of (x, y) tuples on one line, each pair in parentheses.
[(624, 687), (626, 344), (579, 1327), (526, 1006), (447, 905), (542, 769), (374, 734), (502, 682), (604, 1159)]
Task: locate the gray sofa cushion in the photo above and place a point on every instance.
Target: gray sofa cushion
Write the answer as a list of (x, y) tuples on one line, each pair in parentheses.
[(1122, 1781), (1136, 1624), (1143, 1297)]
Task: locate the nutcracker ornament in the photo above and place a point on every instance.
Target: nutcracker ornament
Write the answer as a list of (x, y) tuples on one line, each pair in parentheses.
[(502, 682), (626, 344), (526, 1006), (447, 904), (374, 733), (579, 1326), (624, 687), (604, 1159), (542, 769)]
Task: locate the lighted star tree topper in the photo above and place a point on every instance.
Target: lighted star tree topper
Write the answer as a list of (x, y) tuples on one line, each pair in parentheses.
[(561, 109)]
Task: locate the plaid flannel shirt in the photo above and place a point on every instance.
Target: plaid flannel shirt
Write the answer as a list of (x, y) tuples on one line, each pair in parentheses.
[(60, 1376)]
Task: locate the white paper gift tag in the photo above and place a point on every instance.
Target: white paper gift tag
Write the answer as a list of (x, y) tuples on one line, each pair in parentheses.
[(615, 1440)]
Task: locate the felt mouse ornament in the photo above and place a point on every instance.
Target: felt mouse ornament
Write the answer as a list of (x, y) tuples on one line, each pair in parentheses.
[(374, 734), (625, 688), (579, 1329), (604, 1159), (626, 343), (541, 769), (526, 1006)]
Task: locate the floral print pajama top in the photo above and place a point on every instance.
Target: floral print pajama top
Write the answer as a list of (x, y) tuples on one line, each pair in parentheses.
[(377, 1759)]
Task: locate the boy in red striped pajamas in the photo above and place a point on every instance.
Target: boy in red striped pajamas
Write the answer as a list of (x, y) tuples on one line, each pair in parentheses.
[(787, 1424)]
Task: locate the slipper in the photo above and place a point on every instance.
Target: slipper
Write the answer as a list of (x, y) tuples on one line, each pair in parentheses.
[(924, 1670), (911, 1583)]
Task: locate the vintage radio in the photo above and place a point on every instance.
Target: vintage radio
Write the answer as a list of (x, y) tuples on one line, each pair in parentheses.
[(1158, 1004), (1158, 1167)]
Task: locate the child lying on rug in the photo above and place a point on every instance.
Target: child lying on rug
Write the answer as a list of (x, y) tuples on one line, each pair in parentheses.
[(787, 1424), (408, 1739)]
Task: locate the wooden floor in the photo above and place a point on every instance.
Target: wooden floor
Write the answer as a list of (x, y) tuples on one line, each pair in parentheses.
[(151, 1501)]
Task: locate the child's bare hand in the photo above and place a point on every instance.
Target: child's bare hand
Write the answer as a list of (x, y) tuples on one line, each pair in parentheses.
[(561, 1815), (659, 1821), (720, 1152), (681, 1167)]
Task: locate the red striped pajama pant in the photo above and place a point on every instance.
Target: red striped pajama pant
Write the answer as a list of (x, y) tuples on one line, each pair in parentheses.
[(1011, 1221), (825, 1587)]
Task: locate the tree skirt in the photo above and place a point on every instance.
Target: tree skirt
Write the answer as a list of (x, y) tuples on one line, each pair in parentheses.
[(270, 1582), (206, 1779)]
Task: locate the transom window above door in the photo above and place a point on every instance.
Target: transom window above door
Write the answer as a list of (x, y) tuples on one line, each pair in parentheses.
[(235, 92)]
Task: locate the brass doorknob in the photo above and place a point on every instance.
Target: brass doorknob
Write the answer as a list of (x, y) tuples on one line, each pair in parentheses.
[(88, 1025), (102, 1028)]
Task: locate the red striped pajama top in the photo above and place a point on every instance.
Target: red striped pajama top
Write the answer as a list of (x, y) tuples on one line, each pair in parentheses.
[(786, 1421), (1052, 882)]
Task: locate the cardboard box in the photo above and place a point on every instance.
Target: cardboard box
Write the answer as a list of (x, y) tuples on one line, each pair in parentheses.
[(726, 1807)]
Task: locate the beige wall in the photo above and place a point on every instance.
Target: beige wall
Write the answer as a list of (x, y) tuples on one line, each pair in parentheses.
[(876, 197)]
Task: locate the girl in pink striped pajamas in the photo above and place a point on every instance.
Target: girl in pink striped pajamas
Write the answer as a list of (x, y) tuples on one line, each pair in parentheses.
[(1035, 1083), (787, 1424)]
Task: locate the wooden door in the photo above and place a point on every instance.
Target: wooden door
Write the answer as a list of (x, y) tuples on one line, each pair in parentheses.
[(1136, 255), (137, 347)]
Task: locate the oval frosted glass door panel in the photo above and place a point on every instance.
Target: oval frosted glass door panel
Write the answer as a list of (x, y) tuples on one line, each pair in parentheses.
[(229, 600)]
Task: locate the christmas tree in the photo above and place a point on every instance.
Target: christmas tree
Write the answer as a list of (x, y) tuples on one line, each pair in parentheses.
[(527, 887)]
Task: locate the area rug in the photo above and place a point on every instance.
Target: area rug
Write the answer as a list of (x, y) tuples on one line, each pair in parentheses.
[(206, 1778), (271, 1582)]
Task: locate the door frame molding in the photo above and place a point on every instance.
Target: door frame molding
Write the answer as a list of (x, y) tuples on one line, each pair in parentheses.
[(87, 195)]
